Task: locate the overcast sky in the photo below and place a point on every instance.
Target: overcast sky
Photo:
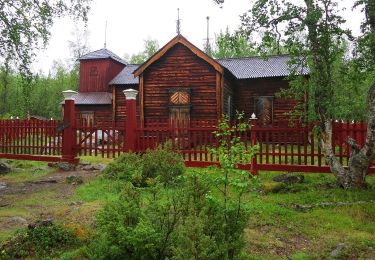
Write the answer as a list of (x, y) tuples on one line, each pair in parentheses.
[(130, 22)]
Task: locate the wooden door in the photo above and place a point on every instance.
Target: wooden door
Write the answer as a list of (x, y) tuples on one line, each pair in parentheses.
[(179, 116), (264, 110)]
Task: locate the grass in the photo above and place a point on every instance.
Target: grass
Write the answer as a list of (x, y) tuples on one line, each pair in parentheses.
[(275, 229)]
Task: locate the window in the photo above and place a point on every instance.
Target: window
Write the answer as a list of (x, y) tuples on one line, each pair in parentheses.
[(87, 117), (264, 109)]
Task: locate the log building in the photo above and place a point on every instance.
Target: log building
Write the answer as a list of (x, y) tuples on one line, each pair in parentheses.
[(181, 82)]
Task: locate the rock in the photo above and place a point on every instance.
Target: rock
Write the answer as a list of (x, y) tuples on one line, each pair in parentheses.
[(100, 167), (273, 187), (88, 168), (52, 164), (3, 185), (64, 166), (49, 180), (75, 180), (84, 163), (41, 223), (18, 221), (18, 170), (75, 203), (94, 167), (38, 169), (4, 168), (289, 178), (338, 250)]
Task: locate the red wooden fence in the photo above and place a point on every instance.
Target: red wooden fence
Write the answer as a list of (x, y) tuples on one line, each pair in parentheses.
[(30, 139), (281, 148)]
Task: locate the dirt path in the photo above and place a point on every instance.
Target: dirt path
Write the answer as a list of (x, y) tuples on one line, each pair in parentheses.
[(47, 196)]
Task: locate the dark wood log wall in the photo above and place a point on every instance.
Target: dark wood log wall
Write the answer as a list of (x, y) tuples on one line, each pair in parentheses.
[(102, 113), (247, 90), (229, 85), (120, 103), (95, 75), (180, 68)]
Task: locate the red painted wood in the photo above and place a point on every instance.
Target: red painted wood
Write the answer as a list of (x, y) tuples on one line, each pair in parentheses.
[(70, 135), (106, 70), (131, 125)]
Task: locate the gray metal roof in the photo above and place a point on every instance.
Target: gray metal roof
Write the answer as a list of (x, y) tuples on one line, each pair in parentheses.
[(259, 67), (102, 54), (241, 68), (92, 98), (126, 76)]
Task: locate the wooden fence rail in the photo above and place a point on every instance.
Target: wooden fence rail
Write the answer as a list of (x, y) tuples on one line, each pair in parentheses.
[(282, 147), (33, 139)]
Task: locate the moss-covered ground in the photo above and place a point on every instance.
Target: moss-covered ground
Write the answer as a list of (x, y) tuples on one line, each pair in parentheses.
[(299, 221)]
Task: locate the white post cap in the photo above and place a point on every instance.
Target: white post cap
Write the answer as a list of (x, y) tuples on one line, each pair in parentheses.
[(69, 94), (253, 116), (130, 94)]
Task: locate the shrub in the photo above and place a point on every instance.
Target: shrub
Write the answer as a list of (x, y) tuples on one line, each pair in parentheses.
[(164, 164), (184, 222), (38, 240), (126, 167), (132, 230)]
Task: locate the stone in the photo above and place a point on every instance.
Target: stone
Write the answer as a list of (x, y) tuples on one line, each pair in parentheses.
[(289, 178), (4, 168), (338, 250), (38, 169), (274, 187), (52, 164), (18, 170), (84, 163), (100, 167), (74, 180), (94, 167), (18, 220), (3, 185), (41, 223), (64, 166)]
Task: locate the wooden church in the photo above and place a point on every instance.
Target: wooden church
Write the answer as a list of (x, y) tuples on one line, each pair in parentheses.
[(181, 82)]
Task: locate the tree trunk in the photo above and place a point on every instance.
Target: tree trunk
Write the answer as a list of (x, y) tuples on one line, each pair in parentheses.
[(360, 159)]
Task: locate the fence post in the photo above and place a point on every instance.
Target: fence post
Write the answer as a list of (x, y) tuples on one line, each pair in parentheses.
[(131, 119), (253, 168), (69, 140)]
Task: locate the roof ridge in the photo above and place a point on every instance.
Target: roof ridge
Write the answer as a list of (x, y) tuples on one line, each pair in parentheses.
[(256, 56), (105, 53)]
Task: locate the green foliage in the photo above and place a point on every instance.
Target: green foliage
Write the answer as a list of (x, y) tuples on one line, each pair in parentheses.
[(42, 240), (150, 48), (162, 164), (185, 219), (232, 152), (16, 102), (235, 45), (188, 221), (25, 27), (126, 167), (200, 217)]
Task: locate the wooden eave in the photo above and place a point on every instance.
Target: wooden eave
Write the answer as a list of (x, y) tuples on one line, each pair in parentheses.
[(182, 40)]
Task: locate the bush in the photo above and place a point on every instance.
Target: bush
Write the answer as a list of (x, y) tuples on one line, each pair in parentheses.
[(39, 240), (126, 167), (164, 164), (184, 222)]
